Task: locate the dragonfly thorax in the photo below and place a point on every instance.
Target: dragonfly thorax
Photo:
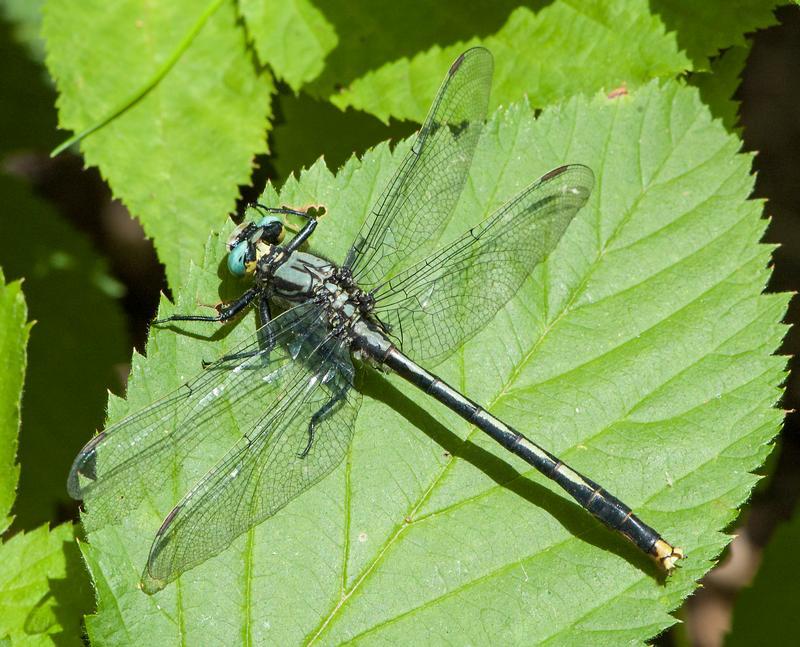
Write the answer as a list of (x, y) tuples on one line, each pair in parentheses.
[(303, 278), (297, 278)]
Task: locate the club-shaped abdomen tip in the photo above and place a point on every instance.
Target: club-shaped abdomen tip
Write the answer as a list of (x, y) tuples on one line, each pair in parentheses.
[(667, 555)]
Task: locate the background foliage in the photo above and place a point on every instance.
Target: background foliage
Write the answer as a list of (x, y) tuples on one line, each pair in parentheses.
[(659, 280)]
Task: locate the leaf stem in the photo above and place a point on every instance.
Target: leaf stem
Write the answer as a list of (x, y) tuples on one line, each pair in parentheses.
[(154, 80)]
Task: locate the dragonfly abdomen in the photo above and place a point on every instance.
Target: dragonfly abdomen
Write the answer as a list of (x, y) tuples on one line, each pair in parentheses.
[(603, 505)]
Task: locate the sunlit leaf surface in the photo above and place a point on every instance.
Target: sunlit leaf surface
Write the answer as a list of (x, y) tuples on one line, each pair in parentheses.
[(641, 352), (177, 156)]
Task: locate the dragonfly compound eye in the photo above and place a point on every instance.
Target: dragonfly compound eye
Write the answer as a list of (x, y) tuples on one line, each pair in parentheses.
[(240, 257), (273, 229)]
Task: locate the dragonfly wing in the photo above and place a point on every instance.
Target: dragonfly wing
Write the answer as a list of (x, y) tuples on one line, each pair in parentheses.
[(269, 467), (417, 203), (110, 470), (436, 305)]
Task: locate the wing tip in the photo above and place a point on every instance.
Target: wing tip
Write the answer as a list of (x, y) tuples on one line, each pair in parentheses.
[(74, 488), (457, 63), (478, 50), (149, 582), (151, 585), (584, 181), (555, 173), (84, 465)]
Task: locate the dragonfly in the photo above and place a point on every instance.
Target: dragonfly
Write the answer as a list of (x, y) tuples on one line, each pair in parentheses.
[(292, 384)]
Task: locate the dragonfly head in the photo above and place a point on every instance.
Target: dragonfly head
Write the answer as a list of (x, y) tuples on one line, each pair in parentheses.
[(250, 240)]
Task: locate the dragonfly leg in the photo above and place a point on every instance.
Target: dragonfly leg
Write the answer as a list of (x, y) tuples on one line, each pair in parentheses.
[(266, 337), (284, 210), (323, 412), (301, 236), (225, 312)]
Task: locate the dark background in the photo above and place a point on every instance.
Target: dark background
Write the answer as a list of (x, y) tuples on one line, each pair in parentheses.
[(127, 270), (769, 115)]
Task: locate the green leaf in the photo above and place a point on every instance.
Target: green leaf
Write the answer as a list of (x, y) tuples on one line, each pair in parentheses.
[(766, 611), (293, 37), (26, 17), (393, 30), (547, 51), (36, 601), (549, 55), (76, 346), (14, 331), (42, 592), (640, 352), (312, 128), (177, 156), (703, 29), (718, 86), (27, 115)]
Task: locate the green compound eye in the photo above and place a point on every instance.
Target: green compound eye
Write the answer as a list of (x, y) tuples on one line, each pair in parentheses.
[(237, 258)]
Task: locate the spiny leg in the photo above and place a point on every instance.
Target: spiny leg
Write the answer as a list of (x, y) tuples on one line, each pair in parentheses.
[(319, 416), (226, 311), (266, 336), (301, 236), (287, 211)]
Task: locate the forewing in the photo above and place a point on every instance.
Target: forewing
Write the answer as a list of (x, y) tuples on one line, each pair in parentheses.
[(417, 203), (109, 471), (266, 469), (436, 305)]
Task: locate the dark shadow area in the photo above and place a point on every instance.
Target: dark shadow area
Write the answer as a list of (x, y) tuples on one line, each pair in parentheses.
[(403, 30), (306, 129), (73, 596), (701, 31), (27, 117), (770, 94), (75, 345), (214, 331)]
